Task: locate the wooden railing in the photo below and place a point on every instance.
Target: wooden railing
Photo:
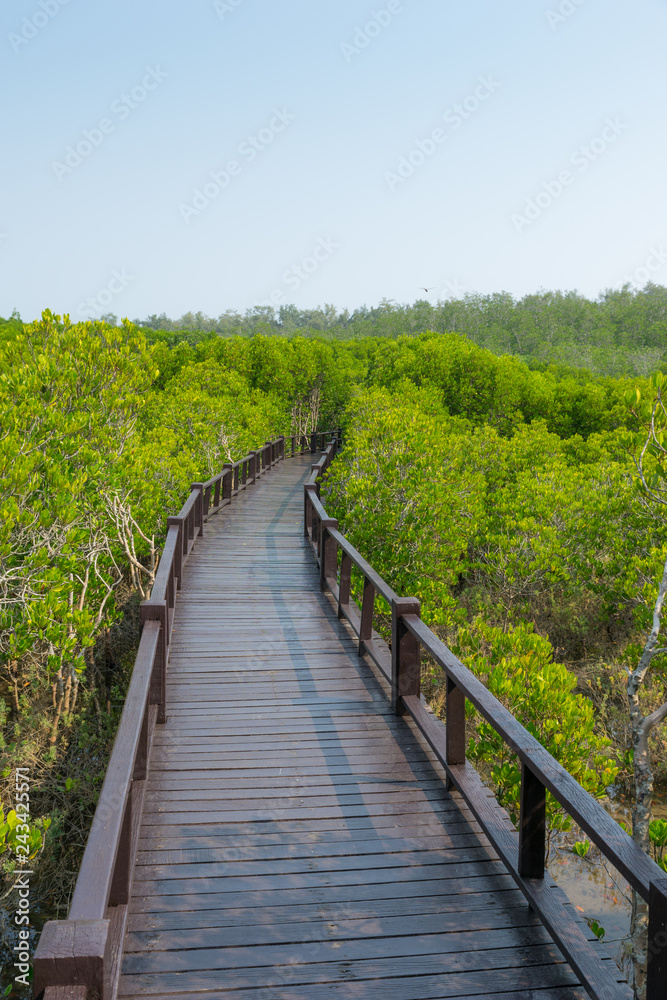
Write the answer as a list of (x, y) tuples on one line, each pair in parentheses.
[(79, 958), (522, 852)]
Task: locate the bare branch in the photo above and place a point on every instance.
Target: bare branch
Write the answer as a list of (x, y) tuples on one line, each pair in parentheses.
[(653, 720)]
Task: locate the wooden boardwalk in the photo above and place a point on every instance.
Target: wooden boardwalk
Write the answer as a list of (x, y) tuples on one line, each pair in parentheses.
[(297, 841)]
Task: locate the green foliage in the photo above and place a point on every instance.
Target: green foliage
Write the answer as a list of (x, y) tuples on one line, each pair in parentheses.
[(597, 929), (410, 513), (517, 667), (71, 396), (20, 841), (658, 838), (500, 392), (494, 532)]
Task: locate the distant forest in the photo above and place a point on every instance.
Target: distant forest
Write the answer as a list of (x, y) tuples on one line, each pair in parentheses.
[(622, 332)]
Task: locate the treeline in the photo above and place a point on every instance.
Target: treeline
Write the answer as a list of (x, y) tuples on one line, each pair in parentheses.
[(621, 332)]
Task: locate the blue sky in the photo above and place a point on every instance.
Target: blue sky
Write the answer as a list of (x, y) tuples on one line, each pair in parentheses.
[(219, 155)]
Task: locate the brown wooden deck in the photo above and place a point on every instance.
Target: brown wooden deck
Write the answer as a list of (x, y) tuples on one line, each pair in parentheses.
[(297, 839)]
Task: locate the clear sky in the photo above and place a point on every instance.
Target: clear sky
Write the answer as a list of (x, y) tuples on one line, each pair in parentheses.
[(173, 156)]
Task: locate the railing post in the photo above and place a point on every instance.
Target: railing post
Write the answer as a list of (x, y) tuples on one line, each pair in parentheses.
[(455, 731), (177, 522), (141, 760), (119, 894), (313, 442), (216, 492), (199, 508), (345, 584), (367, 608), (316, 468), (293, 440), (227, 474), (656, 968), (308, 508), (74, 953), (405, 652), (532, 825), (150, 611), (328, 551), (237, 477)]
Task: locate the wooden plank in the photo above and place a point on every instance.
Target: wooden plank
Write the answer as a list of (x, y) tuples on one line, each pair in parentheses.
[(286, 917), (297, 840), (402, 896), (409, 864), (417, 876), (481, 920), (374, 988), (367, 947), (355, 852), (200, 790), (265, 812), (371, 825), (352, 743), (321, 776)]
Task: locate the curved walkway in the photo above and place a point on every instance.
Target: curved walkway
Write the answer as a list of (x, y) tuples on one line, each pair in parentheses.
[(297, 841)]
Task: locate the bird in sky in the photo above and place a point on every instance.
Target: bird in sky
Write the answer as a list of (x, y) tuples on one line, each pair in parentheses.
[(427, 289)]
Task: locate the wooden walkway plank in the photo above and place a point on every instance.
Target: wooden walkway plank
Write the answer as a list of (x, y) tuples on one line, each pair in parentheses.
[(297, 837)]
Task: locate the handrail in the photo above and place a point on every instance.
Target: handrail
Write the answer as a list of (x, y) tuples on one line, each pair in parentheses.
[(83, 952), (523, 853)]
